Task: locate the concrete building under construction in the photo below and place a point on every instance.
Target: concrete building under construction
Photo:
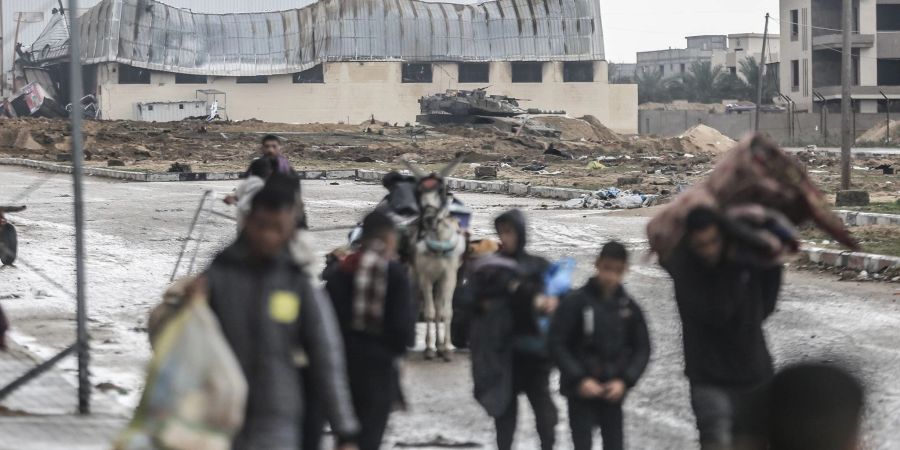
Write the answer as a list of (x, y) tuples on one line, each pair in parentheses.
[(334, 61)]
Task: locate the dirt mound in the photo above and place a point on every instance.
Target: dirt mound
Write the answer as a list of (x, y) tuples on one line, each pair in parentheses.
[(878, 133), (703, 139), (587, 128)]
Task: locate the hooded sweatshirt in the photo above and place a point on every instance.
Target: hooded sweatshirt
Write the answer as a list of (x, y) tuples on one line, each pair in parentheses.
[(530, 270)]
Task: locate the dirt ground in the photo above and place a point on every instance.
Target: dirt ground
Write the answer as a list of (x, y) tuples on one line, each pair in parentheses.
[(586, 155)]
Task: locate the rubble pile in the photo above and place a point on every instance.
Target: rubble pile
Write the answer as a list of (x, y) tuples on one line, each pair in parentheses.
[(612, 198), (701, 139), (551, 150)]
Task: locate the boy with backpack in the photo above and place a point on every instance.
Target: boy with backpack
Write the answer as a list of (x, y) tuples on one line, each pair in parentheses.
[(600, 341)]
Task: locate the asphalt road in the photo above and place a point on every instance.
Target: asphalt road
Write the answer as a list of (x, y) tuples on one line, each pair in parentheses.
[(135, 230)]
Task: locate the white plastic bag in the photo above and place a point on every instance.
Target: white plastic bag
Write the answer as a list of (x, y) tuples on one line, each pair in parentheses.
[(195, 393)]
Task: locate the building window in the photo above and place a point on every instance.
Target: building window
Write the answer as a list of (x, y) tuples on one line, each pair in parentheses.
[(683, 67), (416, 73), (183, 78), (578, 72), (889, 72), (473, 72), (133, 75), (888, 17), (662, 69), (315, 74), (795, 25), (527, 72), (257, 79), (795, 75)]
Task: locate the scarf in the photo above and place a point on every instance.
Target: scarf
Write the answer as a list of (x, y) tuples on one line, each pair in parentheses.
[(369, 290)]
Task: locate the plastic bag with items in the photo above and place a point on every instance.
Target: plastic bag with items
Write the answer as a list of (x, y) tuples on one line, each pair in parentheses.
[(195, 393)]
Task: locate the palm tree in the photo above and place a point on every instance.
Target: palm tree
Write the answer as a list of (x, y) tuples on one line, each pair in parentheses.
[(730, 86), (651, 87), (750, 71), (700, 81)]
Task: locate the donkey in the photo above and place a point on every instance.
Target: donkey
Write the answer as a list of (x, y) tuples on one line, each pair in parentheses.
[(437, 245)]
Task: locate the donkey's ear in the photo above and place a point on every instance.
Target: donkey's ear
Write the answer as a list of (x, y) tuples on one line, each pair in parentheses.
[(415, 169), (450, 168)]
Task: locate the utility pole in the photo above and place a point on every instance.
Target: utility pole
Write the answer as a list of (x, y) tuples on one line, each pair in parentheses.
[(75, 91), (846, 99), (762, 71)]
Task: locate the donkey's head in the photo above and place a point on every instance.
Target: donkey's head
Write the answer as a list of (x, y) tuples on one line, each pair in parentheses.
[(431, 190)]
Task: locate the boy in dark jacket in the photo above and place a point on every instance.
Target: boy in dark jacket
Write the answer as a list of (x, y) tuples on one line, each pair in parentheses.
[(601, 345), (509, 354), (275, 320), (372, 297)]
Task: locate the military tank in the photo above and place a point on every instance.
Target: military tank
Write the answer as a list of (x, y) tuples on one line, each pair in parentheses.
[(457, 102)]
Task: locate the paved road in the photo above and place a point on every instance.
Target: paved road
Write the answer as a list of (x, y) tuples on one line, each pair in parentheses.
[(134, 233)]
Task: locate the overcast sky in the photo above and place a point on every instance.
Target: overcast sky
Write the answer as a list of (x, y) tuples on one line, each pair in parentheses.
[(630, 26)]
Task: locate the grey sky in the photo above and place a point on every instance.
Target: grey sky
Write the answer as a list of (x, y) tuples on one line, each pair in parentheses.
[(630, 26)]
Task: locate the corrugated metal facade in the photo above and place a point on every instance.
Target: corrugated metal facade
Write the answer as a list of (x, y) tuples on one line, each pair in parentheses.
[(37, 15), (152, 35)]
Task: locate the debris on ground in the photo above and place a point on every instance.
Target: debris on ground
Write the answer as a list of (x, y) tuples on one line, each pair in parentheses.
[(587, 155), (612, 198)]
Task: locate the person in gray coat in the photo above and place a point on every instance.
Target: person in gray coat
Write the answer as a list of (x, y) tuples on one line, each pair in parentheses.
[(275, 321)]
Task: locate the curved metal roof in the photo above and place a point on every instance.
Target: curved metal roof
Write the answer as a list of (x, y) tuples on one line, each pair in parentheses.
[(153, 35)]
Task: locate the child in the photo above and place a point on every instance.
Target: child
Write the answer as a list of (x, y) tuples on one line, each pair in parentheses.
[(259, 171), (600, 342)]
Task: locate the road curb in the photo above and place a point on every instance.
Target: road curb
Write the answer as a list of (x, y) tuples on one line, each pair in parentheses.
[(869, 262), (166, 177), (375, 176), (858, 218)]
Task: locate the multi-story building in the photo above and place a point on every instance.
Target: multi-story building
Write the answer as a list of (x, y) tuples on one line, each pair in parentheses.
[(719, 50), (812, 49), (750, 45), (677, 61), (339, 60)]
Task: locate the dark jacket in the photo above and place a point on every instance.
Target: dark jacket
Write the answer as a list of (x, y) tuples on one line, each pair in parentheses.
[(722, 311), (504, 324), (615, 344), (273, 319), (399, 328), (530, 270)]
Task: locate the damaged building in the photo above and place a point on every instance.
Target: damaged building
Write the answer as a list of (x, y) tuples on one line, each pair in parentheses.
[(336, 61)]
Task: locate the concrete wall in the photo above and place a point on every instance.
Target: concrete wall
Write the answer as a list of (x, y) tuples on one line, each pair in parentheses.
[(355, 91), (807, 126)]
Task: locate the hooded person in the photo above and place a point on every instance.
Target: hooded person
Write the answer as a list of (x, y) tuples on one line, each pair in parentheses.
[(276, 321), (372, 296), (509, 353)]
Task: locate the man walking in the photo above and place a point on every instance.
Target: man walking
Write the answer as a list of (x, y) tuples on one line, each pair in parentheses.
[(372, 297), (601, 345), (274, 322), (509, 354), (722, 304)]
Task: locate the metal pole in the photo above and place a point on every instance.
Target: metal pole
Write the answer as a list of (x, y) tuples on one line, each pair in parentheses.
[(846, 82), (761, 70), (887, 110), (75, 91), (2, 55)]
